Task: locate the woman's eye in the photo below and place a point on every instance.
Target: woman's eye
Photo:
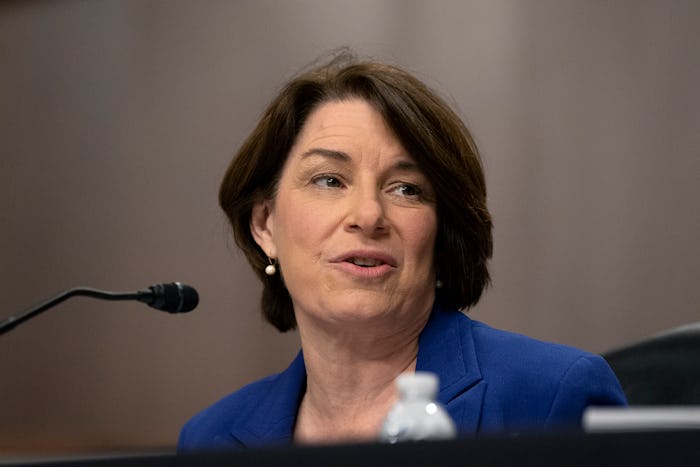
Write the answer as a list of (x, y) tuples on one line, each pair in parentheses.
[(327, 181), (408, 190)]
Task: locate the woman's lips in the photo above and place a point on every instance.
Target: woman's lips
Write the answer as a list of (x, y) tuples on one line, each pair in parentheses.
[(365, 258), (365, 264)]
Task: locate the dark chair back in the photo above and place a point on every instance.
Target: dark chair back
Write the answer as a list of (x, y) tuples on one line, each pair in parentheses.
[(661, 370)]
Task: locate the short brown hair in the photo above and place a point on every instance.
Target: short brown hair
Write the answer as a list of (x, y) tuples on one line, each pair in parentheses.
[(429, 130)]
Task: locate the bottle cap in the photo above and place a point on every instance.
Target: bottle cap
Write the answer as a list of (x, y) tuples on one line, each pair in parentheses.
[(420, 384)]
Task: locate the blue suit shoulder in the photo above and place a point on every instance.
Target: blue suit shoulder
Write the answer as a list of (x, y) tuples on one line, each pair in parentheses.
[(262, 412), (210, 429), (532, 382)]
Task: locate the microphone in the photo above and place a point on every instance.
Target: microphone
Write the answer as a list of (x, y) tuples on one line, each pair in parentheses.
[(173, 298)]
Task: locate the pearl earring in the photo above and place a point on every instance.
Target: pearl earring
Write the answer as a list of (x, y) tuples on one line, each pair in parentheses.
[(270, 269), (438, 284)]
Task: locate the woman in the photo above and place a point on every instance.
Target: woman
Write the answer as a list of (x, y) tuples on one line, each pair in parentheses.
[(360, 202)]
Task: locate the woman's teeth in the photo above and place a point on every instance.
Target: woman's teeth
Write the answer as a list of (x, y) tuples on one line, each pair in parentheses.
[(365, 262)]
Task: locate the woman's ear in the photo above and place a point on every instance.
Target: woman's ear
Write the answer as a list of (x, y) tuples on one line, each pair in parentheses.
[(262, 227)]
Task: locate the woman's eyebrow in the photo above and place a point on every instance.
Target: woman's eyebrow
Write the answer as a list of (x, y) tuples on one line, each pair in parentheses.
[(329, 153), (402, 165), (406, 165)]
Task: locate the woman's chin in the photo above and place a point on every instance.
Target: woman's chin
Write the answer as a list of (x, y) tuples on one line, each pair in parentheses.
[(359, 312)]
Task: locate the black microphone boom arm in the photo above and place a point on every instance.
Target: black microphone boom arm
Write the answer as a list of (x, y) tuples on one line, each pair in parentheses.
[(173, 298)]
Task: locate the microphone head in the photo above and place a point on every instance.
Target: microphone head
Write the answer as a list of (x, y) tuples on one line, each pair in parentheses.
[(174, 297)]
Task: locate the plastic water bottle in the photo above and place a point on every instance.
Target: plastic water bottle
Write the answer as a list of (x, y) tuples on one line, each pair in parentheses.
[(417, 415)]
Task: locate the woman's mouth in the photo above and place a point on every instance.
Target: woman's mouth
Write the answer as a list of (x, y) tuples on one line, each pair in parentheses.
[(365, 262)]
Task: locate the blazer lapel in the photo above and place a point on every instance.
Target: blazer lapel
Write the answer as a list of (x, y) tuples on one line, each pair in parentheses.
[(446, 348), (273, 422)]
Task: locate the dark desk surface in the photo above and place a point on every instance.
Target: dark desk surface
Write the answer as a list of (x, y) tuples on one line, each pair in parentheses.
[(619, 449)]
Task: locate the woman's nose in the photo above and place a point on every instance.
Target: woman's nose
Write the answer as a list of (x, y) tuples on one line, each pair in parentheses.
[(366, 213)]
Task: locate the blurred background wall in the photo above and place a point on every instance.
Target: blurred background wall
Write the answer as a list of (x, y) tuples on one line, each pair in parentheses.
[(118, 118)]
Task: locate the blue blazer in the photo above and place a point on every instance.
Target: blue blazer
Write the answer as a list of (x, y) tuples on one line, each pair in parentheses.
[(490, 381)]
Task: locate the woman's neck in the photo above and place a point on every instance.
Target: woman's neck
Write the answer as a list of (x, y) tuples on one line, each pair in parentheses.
[(350, 378)]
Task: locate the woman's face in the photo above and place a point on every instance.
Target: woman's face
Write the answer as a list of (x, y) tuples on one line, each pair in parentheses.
[(353, 223)]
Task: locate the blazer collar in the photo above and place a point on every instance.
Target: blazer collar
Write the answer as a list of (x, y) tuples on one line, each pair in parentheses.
[(272, 422), (445, 347)]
